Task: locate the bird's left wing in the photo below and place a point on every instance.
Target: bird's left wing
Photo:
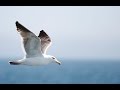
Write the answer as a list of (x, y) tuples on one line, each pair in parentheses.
[(31, 42)]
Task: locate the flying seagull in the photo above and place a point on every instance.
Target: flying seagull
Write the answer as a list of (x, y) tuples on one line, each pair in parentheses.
[(35, 48)]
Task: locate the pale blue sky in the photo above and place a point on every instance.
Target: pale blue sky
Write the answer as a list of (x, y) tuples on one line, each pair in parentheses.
[(89, 32)]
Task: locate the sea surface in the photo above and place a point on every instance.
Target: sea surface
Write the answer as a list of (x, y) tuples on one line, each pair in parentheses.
[(69, 72)]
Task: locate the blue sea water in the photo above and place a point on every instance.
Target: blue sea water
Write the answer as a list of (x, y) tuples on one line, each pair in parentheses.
[(69, 72)]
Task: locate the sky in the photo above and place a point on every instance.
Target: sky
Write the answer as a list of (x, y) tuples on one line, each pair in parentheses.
[(77, 32)]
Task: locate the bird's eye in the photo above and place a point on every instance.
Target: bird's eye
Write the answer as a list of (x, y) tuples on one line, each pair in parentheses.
[(53, 58)]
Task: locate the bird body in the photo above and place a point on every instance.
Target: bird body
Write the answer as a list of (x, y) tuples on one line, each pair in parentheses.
[(35, 48)]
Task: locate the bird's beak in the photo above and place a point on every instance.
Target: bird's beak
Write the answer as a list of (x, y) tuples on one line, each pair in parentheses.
[(58, 62)]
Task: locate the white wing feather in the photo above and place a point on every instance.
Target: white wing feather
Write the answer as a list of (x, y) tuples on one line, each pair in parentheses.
[(31, 42), (45, 41)]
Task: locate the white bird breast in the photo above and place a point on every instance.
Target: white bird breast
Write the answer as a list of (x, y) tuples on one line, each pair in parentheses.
[(35, 61)]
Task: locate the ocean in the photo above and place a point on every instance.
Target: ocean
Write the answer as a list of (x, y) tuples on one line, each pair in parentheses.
[(69, 72)]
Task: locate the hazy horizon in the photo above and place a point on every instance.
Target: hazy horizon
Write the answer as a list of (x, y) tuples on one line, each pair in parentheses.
[(80, 32)]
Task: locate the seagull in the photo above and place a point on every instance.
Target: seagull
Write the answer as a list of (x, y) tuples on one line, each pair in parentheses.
[(34, 48)]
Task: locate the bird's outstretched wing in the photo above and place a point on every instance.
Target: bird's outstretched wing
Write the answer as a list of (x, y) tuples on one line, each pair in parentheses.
[(45, 41), (31, 42)]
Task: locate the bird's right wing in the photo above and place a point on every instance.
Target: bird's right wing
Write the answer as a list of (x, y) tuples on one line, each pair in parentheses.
[(31, 42), (45, 41)]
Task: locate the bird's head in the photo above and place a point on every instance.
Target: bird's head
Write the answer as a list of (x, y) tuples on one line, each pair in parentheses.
[(53, 59)]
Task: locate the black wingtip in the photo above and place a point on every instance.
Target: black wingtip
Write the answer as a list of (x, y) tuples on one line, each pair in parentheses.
[(13, 63), (16, 22), (20, 26), (42, 31)]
